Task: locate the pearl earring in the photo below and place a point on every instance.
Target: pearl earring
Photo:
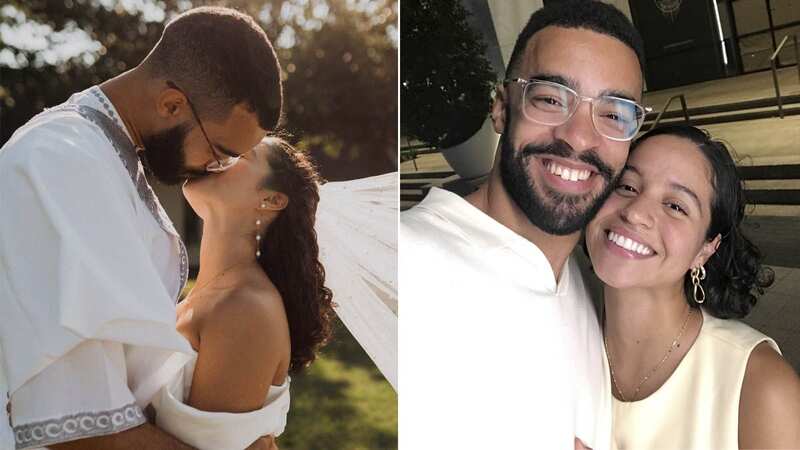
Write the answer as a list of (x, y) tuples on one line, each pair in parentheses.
[(258, 239)]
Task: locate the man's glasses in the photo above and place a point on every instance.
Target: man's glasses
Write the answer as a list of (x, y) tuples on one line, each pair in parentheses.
[(553, 104), (219, 164)]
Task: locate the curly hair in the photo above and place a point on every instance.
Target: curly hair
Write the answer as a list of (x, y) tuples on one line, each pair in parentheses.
[(588, 14), (290, 254), (735, 275)]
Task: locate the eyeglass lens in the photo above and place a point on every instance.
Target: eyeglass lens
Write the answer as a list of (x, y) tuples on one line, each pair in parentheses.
[(552, 104)]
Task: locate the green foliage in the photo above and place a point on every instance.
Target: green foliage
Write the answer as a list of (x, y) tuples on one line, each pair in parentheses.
[(446, 78), (340, 72), (346, 74)]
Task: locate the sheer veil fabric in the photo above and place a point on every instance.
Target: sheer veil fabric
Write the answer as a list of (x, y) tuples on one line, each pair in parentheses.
[(356, 227)]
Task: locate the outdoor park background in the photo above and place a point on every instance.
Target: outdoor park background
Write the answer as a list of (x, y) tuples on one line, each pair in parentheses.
[(339, 60)]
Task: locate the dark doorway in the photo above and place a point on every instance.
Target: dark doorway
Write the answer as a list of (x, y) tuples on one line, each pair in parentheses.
[(684, 42)]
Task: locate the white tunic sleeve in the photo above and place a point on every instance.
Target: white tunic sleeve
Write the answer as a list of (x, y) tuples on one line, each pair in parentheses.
[(77, 282), (87, 395)]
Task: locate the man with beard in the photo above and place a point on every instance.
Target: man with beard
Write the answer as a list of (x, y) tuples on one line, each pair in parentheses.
[(506, 349), (91, 265)]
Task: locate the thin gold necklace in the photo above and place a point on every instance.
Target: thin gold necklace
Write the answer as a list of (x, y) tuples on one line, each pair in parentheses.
[(219, 275), (649, 374)]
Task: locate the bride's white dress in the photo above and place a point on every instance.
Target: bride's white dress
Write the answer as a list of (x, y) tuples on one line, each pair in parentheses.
[(215, 430)]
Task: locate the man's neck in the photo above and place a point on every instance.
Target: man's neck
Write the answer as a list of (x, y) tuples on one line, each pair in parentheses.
[(128, 95), (493, 199)]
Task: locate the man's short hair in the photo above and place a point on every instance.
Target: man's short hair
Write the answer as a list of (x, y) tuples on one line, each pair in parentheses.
[(220, 58), (589, 14)]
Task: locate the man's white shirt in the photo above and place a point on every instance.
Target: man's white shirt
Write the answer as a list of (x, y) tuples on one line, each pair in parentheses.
[(496, 353), (88, 286)]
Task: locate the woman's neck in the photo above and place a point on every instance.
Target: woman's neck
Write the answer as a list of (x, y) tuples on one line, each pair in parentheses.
[(224, 247), (648, 332), (641, 315)]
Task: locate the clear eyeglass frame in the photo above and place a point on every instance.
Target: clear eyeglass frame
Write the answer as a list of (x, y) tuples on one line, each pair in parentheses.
[(219, 164), (641, 111)]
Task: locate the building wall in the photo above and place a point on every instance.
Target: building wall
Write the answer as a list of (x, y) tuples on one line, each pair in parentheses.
[(509, 17)]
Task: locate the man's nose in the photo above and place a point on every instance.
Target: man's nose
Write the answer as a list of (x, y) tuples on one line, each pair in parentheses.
[(579, 131)]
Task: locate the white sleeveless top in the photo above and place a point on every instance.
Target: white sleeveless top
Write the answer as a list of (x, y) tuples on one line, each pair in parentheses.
[(218, 430), (698, 405)]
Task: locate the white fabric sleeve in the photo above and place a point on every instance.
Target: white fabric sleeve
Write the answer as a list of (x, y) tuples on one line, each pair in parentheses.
[(76, 275), (6, 433), (81, 395)]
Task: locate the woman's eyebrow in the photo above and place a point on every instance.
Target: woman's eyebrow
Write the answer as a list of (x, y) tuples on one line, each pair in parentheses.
[(675, 186), (689, 192), (631, 168)]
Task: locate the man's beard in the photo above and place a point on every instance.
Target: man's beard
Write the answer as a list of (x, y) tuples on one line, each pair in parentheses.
[(163, 155), (559, 214)]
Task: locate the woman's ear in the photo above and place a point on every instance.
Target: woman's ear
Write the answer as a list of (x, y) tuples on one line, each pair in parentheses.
[(708, 249), (274, 201)]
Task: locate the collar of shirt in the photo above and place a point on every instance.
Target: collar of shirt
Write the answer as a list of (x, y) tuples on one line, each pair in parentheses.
[(97, 99), (484, 232)]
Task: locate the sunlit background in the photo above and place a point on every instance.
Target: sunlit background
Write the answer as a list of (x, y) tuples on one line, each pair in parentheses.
[(339, 60)]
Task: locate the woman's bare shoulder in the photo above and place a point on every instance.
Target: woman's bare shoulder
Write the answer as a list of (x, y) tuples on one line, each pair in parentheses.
[(258, 306), (770, 402)]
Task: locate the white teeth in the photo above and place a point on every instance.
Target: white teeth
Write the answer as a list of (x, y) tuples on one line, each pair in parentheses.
[(629, 244), (568, 174)]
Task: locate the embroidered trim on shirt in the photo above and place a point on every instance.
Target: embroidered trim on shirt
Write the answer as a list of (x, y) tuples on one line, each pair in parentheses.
[(111, 112), (155, 207), (78, 426), (127, 154)]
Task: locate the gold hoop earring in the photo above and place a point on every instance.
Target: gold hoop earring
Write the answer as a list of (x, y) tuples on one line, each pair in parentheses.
[(698, 274)]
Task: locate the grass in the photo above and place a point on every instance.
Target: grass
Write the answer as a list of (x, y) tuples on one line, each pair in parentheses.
[(341, 402)]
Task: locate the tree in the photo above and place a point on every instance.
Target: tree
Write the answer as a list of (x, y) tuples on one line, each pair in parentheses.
[(446, 79), (338, 57)]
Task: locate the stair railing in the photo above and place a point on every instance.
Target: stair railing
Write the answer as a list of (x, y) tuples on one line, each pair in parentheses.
[(774, 65)]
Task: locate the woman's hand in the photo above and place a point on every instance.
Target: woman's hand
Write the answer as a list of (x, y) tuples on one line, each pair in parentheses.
[(579, 445), (264, 443)]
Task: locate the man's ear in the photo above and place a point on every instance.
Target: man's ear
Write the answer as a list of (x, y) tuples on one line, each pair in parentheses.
[(170, 103), (274, 201), (499, 108), (706, 251)]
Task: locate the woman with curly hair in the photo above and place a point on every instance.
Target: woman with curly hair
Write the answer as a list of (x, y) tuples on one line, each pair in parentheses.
[(260, 309), (677, 272)]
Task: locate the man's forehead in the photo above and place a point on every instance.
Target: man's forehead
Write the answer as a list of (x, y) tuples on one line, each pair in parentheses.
[(587, 61)]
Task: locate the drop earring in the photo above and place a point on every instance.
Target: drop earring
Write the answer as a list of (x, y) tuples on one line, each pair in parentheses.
[(698, 274), (258, 231), (258, 239)]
